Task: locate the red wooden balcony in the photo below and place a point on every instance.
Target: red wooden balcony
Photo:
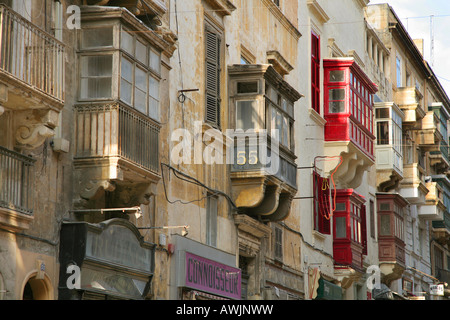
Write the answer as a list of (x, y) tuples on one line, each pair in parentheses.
[(349, 220), (349, 104), (391, 242), (348, 110)]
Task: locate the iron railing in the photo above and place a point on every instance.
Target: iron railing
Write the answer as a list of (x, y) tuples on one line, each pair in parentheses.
[(16, 181), (30, 54), (117, 130)]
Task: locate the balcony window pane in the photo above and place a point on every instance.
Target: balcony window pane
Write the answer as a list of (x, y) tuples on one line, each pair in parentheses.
[(382, 113), (383, 133), (153, 98), (341, 227), (140, 94), (247, 87), (155, 61), (247, 116), (96, 77), (337, 100), (97, 37), (285, 139), (337, 76), (141, 52), (126, 82), (127, 42), (385, 225)]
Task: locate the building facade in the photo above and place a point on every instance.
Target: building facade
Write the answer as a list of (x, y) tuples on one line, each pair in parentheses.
[(219, 149)]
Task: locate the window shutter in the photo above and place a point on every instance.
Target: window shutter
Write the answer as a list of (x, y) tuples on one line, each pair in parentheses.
[(364, 229), (212, 77)]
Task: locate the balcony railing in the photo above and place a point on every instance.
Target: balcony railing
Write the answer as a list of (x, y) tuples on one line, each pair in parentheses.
[(276, 164), (16, 181), (115, 130), (30, 55)]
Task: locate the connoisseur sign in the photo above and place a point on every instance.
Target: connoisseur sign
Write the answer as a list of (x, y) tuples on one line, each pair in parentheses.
[(212, 277)]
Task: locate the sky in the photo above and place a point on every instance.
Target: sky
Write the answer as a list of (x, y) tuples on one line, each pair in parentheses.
[(415, 16)]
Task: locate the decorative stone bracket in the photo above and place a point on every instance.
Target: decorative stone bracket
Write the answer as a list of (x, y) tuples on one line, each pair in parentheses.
[(34, 127)]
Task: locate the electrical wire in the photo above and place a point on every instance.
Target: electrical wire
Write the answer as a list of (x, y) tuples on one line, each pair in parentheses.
[(184, 177)]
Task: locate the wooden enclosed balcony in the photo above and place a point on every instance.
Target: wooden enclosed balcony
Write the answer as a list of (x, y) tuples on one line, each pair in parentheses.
[(263, 171), (348, 110), (391, 242), (32, 65), (16, 189)]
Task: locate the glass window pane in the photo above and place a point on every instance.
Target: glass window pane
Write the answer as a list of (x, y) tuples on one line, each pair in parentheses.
[(96, 77), (141, 79), (97, 37), (383, 133), (96, 66), (127, 42), (385, 224), (336, 107), (247, 87), (153, 104), (247, 116), (141, 52), (285, 139), (155, 61), (127, 70), (140, 100), (341, 227), (382, 113), (126, 90), (337, 76)]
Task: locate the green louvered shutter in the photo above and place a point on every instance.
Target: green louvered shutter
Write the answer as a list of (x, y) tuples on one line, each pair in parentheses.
[(212, 77)]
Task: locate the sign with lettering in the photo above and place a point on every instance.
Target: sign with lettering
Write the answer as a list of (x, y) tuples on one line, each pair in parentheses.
[(118, 245), (212, 277), (437, 290)]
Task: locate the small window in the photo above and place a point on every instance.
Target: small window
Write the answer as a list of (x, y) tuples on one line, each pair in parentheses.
[(385, 225), (247, 116), (341, 206), (382, 113), (382, 133), (97, 37), (336, 100), (341, 227), (337, 76), (247, 87), (96, 77)]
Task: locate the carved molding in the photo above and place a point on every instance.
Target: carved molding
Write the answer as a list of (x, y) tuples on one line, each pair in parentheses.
[(34, 127)]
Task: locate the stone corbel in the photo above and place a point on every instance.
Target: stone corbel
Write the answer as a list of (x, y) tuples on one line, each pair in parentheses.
[(35, 127)]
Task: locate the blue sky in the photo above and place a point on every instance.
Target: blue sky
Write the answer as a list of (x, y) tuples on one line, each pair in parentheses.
[(415, 16)]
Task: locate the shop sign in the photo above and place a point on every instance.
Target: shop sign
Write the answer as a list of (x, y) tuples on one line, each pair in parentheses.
[(437, 290), (118, 245), (212, 277)]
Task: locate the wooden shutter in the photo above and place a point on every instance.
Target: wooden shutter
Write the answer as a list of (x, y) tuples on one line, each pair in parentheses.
[(315, 72), (364, 229), (212, 77)]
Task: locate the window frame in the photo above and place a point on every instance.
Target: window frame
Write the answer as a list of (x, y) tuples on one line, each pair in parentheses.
[(119, 53), (213, 91), (315, 72)]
